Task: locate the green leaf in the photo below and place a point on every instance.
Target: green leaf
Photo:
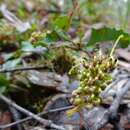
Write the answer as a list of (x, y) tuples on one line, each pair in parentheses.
[(51, 37), (4, 83), (54, 36), (3, 80), (108, 34), (61, 22), (62, 34)]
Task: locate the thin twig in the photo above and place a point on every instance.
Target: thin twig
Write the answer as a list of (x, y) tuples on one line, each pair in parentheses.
[(16, 116), (44, 122), (119, 96), (39, 114), (22, 69), (111, 113), (71, 46)]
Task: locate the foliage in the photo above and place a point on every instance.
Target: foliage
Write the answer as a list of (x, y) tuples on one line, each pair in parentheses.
[(108, 34), (55, 40), (4, 84)]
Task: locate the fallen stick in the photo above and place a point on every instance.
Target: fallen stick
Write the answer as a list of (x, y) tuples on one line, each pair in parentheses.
[(109, 115), (39, 114), (44, 122), (15, 116), (22, 69)]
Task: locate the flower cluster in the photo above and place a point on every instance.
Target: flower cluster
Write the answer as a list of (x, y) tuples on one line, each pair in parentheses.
[(93, 74)]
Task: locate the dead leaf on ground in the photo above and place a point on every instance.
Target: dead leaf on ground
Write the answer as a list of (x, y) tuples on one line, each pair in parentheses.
[(48, 80), (61, 118), (123, 53)]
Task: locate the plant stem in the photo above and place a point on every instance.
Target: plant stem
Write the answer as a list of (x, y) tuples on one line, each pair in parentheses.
[(115, 44)]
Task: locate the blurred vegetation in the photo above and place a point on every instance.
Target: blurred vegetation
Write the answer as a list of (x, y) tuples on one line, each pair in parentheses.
[(54, 33)]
